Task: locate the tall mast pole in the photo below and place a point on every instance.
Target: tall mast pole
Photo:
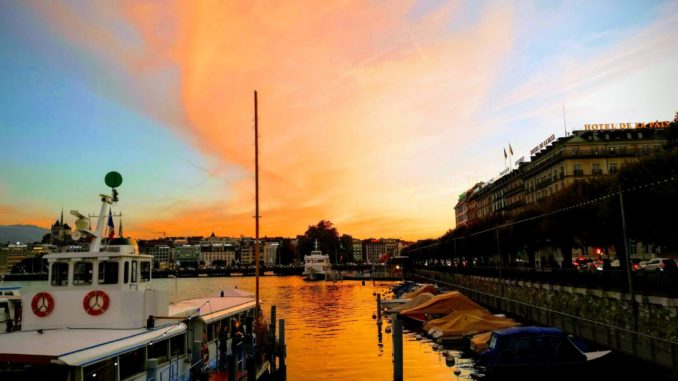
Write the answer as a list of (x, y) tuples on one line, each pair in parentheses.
[(256, 185)]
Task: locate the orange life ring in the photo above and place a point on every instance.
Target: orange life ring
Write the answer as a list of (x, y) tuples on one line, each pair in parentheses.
[(96, 302), (42, 304)]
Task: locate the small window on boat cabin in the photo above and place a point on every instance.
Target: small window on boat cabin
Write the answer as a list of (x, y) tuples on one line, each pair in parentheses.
[(82, 273), (159, 350), (59, 274), (126, 275), (108, 272), (134, 271), (132, 363), (145, 271), (103, 370), (178, 345), (211, 332)]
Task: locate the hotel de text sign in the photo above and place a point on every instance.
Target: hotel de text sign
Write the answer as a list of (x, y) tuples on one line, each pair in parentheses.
[(620, 126), (543, 144)]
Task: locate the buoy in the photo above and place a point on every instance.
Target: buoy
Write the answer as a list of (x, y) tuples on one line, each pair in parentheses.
[(374, 316), (457, 372), (388, 329), (418, 337), (450, 359)]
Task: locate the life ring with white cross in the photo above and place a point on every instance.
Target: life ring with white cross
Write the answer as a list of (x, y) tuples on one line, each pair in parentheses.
[(96, 302), (42, 304)]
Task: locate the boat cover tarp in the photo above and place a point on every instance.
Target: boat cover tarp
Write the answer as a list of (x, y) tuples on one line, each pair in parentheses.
[(442, 321), (441, 305), (419, 299), (480, 342), (424, 288), (463, 324)]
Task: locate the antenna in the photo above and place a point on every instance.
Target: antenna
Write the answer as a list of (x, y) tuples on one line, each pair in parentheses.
[(564, 122)]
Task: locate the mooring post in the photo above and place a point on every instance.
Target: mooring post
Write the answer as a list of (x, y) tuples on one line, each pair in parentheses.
[(397, 348), (272, 336), (282, 350), (378, 308)]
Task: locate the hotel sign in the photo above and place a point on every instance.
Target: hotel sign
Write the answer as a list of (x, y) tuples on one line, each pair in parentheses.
[(621, 126), (543, 144)]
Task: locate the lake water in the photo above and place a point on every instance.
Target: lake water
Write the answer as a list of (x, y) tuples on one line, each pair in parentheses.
[(330, 332)]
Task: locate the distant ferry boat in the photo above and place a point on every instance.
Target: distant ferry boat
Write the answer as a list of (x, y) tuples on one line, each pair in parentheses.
[(317, 265)]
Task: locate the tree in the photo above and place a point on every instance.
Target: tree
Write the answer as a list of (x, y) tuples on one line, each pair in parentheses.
[(346, 248), (327, 236)]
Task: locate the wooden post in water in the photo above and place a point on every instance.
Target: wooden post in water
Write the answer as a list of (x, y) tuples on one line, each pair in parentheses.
[(272, 337), (282, 350), (378, 308), (397, 347)]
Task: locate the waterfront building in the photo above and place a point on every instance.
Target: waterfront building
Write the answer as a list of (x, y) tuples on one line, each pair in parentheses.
[(247, 253), (270, 253), (598, 150), (357, 247), (161, 254), (216, 251), (186, 255), (373, 249)]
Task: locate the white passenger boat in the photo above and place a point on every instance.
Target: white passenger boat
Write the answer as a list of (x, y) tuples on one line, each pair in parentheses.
[(316, 264), (100, 318)]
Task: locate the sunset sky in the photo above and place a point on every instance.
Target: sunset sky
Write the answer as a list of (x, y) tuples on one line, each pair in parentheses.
[(374, 115)]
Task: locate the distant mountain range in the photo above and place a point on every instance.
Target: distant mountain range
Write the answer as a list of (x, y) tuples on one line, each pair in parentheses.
[(21, 233)]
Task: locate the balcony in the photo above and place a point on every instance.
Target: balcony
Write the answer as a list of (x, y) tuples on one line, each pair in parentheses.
[(578, 172), (597, 172)]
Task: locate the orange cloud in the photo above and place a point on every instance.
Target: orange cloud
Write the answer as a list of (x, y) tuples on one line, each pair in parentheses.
[(359, 105)]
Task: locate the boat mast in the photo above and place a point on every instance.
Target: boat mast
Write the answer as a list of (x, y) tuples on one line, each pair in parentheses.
[(256, 185)]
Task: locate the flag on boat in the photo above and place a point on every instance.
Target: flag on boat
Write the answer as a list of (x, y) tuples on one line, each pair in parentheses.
[(111, 227)]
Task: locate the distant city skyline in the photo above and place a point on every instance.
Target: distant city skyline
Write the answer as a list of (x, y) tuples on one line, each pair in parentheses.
[(374, 116)]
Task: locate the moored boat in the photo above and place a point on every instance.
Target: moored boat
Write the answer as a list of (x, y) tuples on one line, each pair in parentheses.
[(100, 318), (316, 265), (535, 349)]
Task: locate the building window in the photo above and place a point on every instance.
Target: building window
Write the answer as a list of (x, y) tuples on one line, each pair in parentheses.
[(577, 170), (596, 169), (612, 168)]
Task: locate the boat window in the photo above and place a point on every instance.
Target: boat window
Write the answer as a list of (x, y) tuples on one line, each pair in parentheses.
[(210, 332), (178, 345), (145, 271), (159, 350), (59, 274), (82, 273), (126, 275), (108, 272), (102, 371), (132, 363), (134, 271)]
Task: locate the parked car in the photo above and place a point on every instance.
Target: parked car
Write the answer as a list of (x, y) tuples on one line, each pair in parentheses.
[(660, 264)]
